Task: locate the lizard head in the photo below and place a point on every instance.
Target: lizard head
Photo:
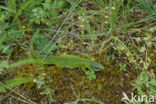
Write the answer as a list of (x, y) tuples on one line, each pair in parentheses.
[(95, 66)]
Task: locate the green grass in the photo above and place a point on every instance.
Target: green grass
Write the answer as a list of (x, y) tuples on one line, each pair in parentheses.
[(120, 34)]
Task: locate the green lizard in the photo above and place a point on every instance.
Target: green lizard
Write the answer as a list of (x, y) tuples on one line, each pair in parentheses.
[(68, 61)]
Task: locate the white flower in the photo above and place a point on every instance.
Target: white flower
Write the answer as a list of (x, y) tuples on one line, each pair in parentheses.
[(106, 22), (113, 8), (106, 8), (34, 10), (82, 26), (82, 19), (35, 80), (79, 17), (23, 27), (38, 16), (106, 17), (43, 73)]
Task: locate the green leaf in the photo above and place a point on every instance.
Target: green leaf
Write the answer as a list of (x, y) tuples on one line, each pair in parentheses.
[(47, 4), (153, 82), (17, 82), (57, 4), (4, 64), (14, 82), (2, 37), (2, 88), (41, 43), (8, 9)]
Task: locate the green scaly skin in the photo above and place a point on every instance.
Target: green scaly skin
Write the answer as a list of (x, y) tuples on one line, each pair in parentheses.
[(69, 61)]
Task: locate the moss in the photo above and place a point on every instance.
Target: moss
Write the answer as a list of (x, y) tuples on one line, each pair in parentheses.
[(107, 87)]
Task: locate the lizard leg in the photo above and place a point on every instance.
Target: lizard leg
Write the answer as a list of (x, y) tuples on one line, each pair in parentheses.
[(90, 74)]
